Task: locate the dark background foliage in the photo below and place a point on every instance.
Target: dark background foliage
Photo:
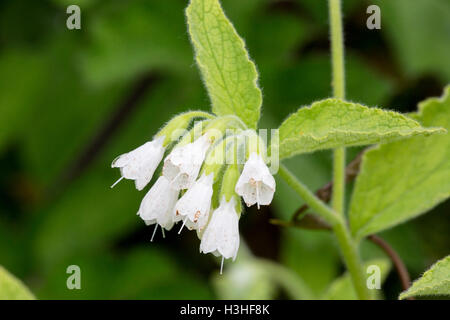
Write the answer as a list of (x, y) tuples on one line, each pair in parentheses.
[(72, 100)]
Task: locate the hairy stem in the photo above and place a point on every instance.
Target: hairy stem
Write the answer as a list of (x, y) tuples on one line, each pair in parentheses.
[(200, 114), (347, 244), (337, 59), (324, 193), (352, 260), (338, 223), (339, 181), (312, 222), (310, 198), (337, 49)]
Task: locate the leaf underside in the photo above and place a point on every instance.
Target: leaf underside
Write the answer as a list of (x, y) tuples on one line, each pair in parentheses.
[(401, 180), (229, 74), (333, 123)]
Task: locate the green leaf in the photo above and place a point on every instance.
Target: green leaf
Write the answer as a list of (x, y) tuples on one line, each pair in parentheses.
[(229, 74), (401, 180), (12, 288), (434, 282), (342, 287), (335, 123)]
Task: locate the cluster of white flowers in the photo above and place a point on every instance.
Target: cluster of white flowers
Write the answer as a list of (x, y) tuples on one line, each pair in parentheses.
[(163, 206)]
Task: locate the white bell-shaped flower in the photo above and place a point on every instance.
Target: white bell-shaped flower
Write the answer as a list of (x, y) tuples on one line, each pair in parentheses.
[(183, 164), (256, 184), (193, 207), (221, 236), (141, 163), (158, 204)]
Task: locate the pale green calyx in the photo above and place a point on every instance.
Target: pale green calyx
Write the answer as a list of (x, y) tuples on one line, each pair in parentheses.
[(230, 178), (214, 128), (193, 134), (215, 159), (254, 144), (225, 122)]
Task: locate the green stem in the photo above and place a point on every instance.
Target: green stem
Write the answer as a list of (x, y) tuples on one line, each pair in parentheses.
[(339, 181), (180, 122), (337, 49), (346, 243), (352, 260), (337, 54), (310, 198), (200, 114)]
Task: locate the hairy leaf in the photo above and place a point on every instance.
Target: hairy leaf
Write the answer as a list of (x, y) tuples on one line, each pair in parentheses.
[(434, 282), (398, 181), (12, 288), (229, 74), (335, 123)]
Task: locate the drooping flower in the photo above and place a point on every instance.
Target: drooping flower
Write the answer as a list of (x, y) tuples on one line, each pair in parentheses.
[(193, 207), (140, 163), (158, 205), (256, 184), (183, 164), (221, 236)]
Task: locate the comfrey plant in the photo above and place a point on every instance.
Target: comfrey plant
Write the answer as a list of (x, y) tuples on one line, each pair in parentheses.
[(222, 157), (221, 151)]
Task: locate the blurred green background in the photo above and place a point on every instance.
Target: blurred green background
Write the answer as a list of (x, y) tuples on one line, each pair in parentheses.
[(72, 100)]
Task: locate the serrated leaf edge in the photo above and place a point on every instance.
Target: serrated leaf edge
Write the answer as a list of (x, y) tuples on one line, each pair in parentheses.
[(201, 66), (359, 234), (411, 292), (419, 130), (425, 103)]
